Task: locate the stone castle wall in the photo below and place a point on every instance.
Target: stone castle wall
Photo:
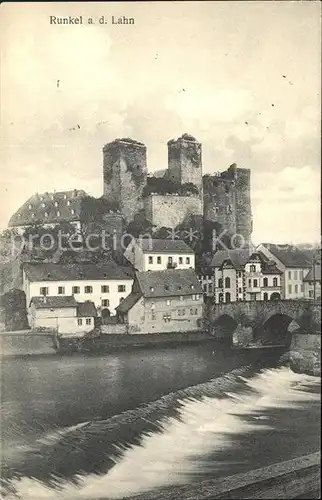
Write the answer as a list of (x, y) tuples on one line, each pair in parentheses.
[(169, 210), (125, 174), (185, 161)]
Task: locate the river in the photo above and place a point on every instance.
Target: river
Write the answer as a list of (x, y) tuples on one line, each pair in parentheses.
[(114, 425)]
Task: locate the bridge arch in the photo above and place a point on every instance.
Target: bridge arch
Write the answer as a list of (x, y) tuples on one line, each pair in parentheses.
[(275, 329), (223, 327)]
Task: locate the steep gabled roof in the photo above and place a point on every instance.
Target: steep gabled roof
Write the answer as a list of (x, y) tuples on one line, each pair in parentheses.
[(168, 283), (289, 255), (128, 302), (79, 271), (314, 274), (68, 209), (86, 309), (159, 246), (238, 258)]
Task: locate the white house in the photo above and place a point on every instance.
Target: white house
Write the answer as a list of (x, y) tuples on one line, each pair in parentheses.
[(147, 254), (62, 314), (104, 284), (239, 276), (294, 264)]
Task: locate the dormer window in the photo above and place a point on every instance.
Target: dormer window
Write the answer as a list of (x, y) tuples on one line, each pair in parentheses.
[(46, 214), (58, 213), (52, 197), (65, 196), (41, 198), (43, 205), (68, 202), (30, 207), (32, 215), (56, 204), (73, 211), (192, 287), (166, 287), (151, 289)]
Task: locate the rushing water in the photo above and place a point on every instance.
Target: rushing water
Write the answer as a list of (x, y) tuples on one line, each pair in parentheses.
[(85, 427)]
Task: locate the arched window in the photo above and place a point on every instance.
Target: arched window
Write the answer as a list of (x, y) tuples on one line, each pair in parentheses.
[(220, 283), (221, 297), (265, 283), (252, 268), (227, 282), (227, 297), (275, 282), (265, 296)]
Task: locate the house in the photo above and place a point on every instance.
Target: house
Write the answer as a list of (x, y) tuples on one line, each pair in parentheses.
[(148, 254), (205, 275), (163, 301), (105, 284), (240, 276), (294, 264), (312, 282), (63, 314), (228, 275), (49, 210)]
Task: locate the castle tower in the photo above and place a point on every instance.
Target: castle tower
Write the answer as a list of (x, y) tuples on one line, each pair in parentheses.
[(185, 161), (244, 220), (125, 174)]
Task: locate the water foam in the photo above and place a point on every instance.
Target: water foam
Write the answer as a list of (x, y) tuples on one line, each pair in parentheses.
[(171, 455)]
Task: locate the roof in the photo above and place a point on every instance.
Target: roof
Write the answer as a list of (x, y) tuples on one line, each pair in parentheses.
[(169, 245), (54, 302), (268, 266), (79, 271), (128, 302), (86, 309), (289, 255), (237, 257), (314, 274), (168, 283), (60, 206)]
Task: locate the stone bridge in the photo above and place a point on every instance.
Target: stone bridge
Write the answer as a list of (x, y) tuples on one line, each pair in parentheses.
[(263, 321)]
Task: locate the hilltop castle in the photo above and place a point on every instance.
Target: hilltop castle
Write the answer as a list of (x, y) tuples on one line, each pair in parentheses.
[(165, 200), (183, 191)]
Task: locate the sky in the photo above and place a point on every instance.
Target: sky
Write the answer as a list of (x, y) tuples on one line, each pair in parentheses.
[(244, 78)]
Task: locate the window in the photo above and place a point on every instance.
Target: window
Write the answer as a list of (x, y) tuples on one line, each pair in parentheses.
[(88, 321), (73, 211), (181, 312), (221, 297), (167, 318), (290, 275), (121, 299), (75, 289), (197, 297), (255, 284), (240, 290), (180, 260), (181, 297), (302, 288), (169, 260), (301, 275), (290, 289), (295, 275), (265, 283), (29, 207), (159, 259), (275, 282), (61, 290), (79, 322), (44, 290), (88, 289), (68, 202), (210, 288), (187, 260), (240, 274), (153, 315), (265, 296), (105, 289), (296, 288), (227, 297), (121, 288), (227, 282), (205, 287), (168, 302), (151, 289), (193, 311), (43, 205), (220, 283), (58, 213), (252, 268), (105, 302), (150, 259), (46, 214), (56, 204), (33, 216), (250, 283), (311, 294)]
